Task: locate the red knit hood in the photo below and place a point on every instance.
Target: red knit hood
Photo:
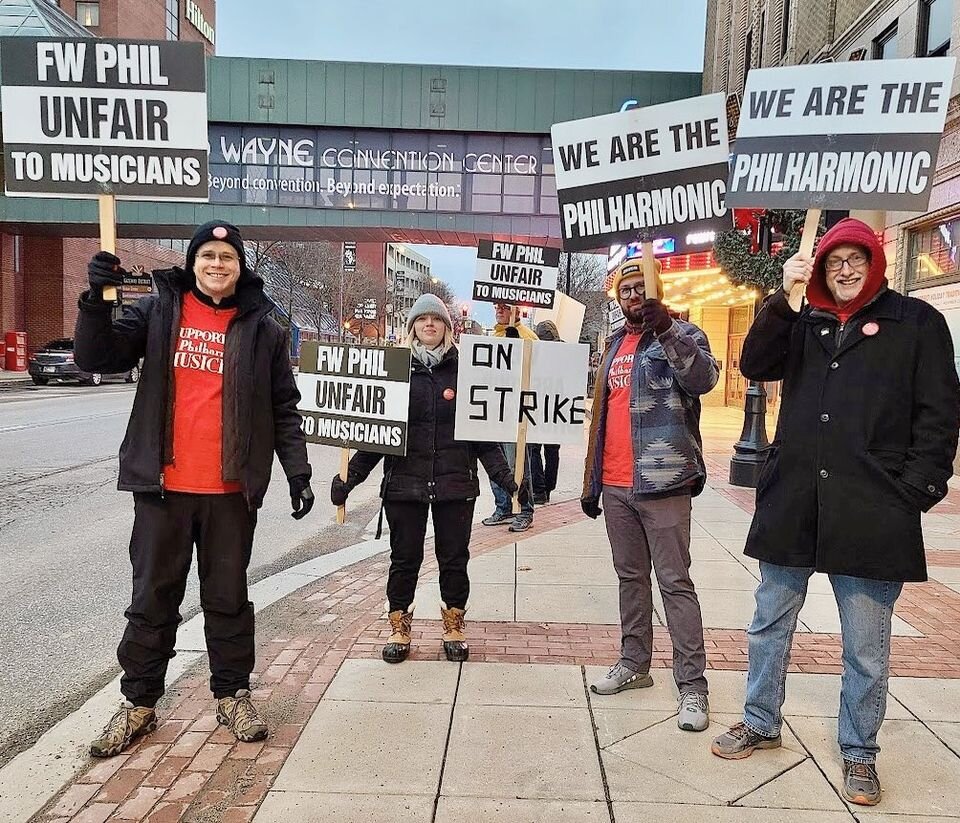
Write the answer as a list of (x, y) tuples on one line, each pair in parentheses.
[(855, 232)]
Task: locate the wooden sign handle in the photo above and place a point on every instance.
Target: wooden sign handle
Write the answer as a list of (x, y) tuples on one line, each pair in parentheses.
[(650, 278), (108, 235), (518, 463), (344, 469), (810, 226)]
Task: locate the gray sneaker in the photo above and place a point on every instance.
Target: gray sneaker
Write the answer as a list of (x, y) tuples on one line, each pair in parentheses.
[(740, 741), (521, 523), (498, 518), (620, 678), (693, 712), (861, 784)]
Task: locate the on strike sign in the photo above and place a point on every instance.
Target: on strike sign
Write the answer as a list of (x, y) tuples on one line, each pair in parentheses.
[(355, 397), (861, 135), (492, 402), (86, 117), (516, 274), (660, 170)]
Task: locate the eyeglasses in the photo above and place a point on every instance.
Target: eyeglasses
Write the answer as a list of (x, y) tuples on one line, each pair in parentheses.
[(855, 260), (626, 291)]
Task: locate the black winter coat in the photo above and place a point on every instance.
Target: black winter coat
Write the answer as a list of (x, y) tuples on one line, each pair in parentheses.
[(437, 468), (260, 394), (866, 437)]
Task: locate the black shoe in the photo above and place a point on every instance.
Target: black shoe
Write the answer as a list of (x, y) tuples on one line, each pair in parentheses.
[(456, 650), (861, 785), (396, 652)]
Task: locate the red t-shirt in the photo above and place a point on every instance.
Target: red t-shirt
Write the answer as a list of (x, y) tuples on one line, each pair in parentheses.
[(197, 465), (618, 440)]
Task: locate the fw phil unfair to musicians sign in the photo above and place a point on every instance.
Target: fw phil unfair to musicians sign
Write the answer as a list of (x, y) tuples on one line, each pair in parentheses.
[(517, 274), (861, 135), (84, 117), (356, 397), (660, 170)]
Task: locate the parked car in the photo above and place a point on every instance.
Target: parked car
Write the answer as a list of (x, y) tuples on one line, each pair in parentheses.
[(54, 361)]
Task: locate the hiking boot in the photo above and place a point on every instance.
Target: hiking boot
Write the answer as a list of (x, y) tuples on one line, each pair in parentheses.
[(620, 678), (693, 712), (740, 741), (239, 715), (498, 518), (398, 644), (454, 640), (861, 785), (521, 523), (127, 724)]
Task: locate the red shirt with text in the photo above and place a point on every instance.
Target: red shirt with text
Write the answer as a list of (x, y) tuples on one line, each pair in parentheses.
[(618, 440), (197, 465)]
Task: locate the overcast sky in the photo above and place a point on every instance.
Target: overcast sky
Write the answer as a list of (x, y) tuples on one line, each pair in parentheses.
[(579, 34)]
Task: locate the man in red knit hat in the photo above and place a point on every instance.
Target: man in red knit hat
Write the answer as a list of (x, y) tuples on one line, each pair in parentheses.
[(216, 400), (865, 442)]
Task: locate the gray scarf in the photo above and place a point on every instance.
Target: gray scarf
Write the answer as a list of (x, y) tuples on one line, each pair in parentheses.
[(429, 357)]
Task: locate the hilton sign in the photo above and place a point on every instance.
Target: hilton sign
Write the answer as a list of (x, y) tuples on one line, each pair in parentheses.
[(195, 16)]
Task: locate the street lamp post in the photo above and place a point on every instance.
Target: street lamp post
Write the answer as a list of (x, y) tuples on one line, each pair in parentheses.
[(749, 455)]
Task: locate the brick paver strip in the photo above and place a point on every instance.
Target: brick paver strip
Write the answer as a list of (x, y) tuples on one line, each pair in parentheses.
[(194, 772)]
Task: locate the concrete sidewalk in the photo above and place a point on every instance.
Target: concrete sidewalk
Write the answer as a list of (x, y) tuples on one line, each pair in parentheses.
[(514, 734)]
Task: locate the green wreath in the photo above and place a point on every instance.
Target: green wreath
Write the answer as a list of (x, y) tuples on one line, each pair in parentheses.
[(762, 270)]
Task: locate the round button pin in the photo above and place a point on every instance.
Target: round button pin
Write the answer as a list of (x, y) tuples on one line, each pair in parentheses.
[(220, 232), (449, 394), (870, 329)]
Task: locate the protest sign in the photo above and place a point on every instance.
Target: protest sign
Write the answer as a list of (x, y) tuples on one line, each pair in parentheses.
[(355, 396), (517, 274), (861, 135), (85, 117), (615, 317), (653, 172), (567, 315), (492, 402)]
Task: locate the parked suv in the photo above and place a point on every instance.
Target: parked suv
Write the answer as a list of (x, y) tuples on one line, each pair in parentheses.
[(54, 361)]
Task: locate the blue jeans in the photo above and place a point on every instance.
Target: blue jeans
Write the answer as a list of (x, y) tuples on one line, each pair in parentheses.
[(500, 496), (866, 612)]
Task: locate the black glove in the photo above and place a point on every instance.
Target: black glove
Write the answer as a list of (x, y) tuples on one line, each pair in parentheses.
[(511, 331), (339, 491), (104, 270), (523, 493), (591, 507), (655, 316), (301, 496)]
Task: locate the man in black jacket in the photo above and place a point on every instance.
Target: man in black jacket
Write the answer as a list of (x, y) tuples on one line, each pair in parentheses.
[(865, 442), (216, 399)]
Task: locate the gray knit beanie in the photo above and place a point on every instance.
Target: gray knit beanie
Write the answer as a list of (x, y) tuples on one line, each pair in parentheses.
[(429, 304)]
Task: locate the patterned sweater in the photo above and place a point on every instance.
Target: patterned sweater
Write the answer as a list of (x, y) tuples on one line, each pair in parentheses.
[(670, 372)]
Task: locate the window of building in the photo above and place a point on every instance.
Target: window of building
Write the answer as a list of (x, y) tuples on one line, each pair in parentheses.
[(17, 253), (885, 46), (747, 58), (933, 29), (763, 36), (88, 14), (934, 253), (784, 27), (173, 19)]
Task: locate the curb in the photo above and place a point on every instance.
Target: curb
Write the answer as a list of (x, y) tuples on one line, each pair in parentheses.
[(36, 775)]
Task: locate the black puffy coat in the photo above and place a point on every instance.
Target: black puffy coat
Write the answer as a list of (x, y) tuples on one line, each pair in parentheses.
[(260, 394), (437, 468), (866, 437)]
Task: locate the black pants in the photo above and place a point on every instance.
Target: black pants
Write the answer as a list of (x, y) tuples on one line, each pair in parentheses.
[(452, 524), (544, 469), (161, 548)]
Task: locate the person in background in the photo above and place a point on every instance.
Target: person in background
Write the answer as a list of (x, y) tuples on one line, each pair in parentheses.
[(198, 467), (545, 460), (865, 442), (437, 476), (646, 460), (503, 512)]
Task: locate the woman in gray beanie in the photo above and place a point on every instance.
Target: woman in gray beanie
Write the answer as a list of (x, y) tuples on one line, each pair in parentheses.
[(438, 473)]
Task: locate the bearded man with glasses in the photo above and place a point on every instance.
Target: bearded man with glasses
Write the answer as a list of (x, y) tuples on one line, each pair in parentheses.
[(645, 459), (865, 442)]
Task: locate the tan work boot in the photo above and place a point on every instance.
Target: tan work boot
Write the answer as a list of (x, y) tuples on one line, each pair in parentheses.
[(239, 715), (398, 645), (454, 639), (127, 724)]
